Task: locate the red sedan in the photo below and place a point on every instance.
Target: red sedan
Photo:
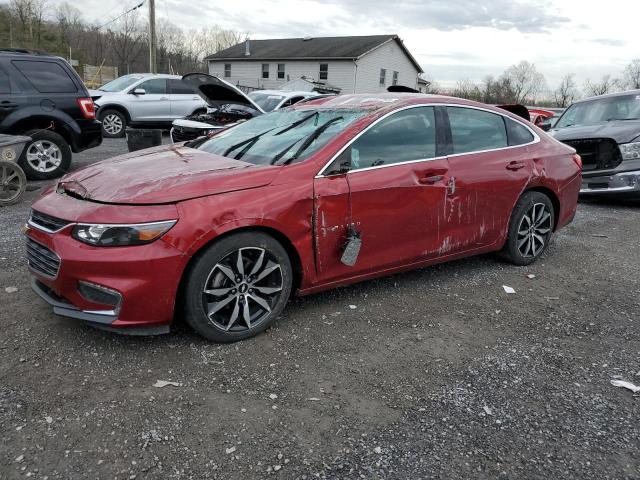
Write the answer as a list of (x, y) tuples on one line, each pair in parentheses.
[(331, 192)]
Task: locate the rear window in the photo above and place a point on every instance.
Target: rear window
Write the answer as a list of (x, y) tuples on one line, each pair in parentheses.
[(518, 134), (178, 87), (46, 77), (476, 130)]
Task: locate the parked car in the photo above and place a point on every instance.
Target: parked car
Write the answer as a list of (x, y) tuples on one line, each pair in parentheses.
[(227, 104), (42, 97), (325, 193), (144, 100), (539, 116), (605, 131)]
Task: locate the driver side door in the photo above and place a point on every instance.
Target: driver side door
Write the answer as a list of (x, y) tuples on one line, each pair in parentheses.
[(393, 195), (153, 105)]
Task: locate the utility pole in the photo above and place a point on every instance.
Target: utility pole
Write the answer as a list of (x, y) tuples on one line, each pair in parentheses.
[(153, 66)]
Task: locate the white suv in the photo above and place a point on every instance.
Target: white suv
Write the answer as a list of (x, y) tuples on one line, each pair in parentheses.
[(144, 100)]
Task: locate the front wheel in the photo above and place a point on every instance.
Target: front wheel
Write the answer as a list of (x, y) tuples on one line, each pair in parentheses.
[(237, 287), (530, 228)]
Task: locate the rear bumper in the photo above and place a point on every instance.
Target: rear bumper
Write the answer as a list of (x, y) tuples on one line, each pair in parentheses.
[(625, 183), (87, 134)]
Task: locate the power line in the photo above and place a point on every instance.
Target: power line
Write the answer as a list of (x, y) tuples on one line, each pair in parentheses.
[(122, 15)]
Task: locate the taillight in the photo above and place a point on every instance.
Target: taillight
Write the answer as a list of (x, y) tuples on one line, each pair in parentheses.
[(87, 107), (578, 160)]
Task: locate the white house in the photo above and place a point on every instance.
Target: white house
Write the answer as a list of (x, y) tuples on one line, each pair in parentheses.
[(363, 64)]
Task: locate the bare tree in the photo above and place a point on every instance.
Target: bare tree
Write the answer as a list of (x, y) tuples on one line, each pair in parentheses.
[(526, 81), (566, 92), (605, 85), (30, 15), (467, 89), (631, 75), (128, 40)]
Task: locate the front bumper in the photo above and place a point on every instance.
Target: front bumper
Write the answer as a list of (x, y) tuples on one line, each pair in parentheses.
[(624, 183), (146, 277)]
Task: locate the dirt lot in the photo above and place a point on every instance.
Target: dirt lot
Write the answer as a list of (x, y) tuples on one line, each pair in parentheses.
[(437, 373)]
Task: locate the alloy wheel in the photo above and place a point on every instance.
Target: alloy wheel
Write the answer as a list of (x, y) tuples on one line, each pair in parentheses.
[(112, 124), (242, 289), (44, 156), (12, 182), (533, 230)]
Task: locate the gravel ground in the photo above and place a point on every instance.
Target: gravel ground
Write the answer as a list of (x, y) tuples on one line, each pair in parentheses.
[(437, 373)]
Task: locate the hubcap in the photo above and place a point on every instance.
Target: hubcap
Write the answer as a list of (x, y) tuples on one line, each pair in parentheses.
[(242, 289), (112, 124), (11, 182), (44, 156), (533, 230)]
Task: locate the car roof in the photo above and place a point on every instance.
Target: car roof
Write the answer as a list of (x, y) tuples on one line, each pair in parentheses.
[(609, 95), (151, 75), (286, 93), (21, 52), (391, 101)]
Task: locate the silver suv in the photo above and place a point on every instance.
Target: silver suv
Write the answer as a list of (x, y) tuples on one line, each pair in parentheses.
[(144, 100)]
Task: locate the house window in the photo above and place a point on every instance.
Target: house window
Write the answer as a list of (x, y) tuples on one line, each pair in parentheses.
[(383, 76), (265, 70), (394, 80), (324, 71), (227, 70), (281, 70)]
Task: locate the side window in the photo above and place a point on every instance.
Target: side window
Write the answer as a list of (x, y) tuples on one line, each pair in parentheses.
[(281, 70), (476, 130), (402, 137), (5, 83), (227, 70), (178, 87), (46, 77), (157, 86), (383, 76), (265, 70), (517, 133), (394, 80), (291, 101)]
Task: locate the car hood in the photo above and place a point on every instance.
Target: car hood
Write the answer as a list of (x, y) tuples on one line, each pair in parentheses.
[(165, 174), (622, 131), (216, 92)]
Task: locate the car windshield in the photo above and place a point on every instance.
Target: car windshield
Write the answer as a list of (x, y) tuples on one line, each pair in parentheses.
[(120, 83), (281, 137), (266, 101), (599, 110)]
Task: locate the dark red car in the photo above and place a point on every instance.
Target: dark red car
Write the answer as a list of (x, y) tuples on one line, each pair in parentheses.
[(327, 193)]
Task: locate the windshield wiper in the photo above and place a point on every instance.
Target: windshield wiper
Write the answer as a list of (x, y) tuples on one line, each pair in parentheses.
[(249, 142), (298, 123), (315, 134)]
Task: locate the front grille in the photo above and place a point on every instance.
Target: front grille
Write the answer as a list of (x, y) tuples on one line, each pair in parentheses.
[(597, 153), (47, 222), (180, 134), (41, 259)]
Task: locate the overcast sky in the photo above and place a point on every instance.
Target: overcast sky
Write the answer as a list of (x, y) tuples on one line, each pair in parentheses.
[(451, 39)]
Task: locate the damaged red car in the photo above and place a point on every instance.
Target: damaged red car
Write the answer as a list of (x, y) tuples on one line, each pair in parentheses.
[(221, 231)]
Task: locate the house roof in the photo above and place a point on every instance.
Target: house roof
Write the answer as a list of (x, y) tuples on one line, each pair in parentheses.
[(317, 48)]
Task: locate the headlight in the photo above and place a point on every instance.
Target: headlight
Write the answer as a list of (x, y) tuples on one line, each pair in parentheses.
[(105, 235), (630, 151)]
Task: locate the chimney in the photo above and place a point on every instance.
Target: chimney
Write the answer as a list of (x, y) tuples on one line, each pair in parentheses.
[(247, 47)]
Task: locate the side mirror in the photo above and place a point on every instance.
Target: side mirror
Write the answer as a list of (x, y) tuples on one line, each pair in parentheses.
[(139, 91)]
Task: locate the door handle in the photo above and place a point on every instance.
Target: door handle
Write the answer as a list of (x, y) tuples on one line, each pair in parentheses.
[(164, 98), (430, 179), (515, 165)]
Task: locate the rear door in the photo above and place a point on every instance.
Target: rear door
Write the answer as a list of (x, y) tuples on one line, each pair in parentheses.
[(184, 100), (154, 105), (490, 165), (11, 98), (393, 195)]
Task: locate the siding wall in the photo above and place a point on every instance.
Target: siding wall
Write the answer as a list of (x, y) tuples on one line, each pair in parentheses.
[(341, 73), (391, 57), (249, 73)]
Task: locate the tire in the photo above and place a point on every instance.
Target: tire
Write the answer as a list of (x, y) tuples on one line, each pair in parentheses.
[(47, 156), (114, 123), (13, 183), (258, 291), (527, 241)]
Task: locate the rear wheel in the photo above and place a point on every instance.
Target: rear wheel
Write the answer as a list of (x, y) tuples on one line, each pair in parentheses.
[(47, 156), (238, 287), (114, 123), (13, 183), (530, 228)]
